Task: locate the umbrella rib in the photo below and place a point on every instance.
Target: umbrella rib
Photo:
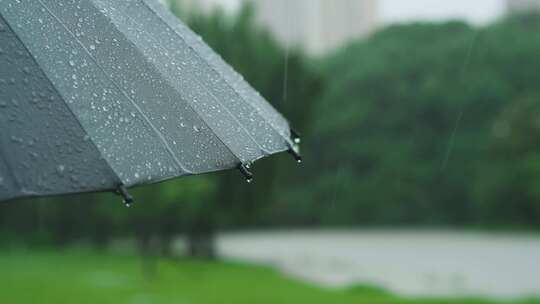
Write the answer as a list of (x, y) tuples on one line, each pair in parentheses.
[(18, 182), (10, 169), (159, 134), (266, 152), (2, 152), (199, 115), (217, 72)]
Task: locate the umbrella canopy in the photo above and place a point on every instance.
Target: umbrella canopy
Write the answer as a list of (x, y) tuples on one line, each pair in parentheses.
[(99, 95)]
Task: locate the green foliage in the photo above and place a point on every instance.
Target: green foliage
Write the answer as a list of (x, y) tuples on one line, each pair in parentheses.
[(406, 126)]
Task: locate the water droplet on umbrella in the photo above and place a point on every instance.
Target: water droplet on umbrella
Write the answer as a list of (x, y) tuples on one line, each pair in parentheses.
[(60, 169), (72, 63), (92, 47)]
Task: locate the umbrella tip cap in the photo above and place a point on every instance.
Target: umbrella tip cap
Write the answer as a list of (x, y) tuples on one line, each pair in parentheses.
[(127, 198), (294, 151), (244, 169)]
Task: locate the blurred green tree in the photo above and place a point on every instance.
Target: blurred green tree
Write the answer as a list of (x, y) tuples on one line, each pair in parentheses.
[(421, 124), (406, 119)]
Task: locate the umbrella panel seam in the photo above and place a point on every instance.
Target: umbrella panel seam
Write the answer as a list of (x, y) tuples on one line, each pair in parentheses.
[(220, 74), (156, 131), (214, 97), (15, 177)]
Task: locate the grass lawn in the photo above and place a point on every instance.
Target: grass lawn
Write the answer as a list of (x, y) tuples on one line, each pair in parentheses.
[(78, 277)]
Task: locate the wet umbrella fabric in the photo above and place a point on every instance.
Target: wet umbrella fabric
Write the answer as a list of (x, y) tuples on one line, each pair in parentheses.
[(96, 95)]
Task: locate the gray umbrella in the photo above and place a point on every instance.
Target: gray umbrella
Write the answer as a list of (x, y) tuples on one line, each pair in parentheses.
[(100, 95)]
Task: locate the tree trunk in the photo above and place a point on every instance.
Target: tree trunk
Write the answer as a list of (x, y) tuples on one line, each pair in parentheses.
[(146, 251), (201, 245)]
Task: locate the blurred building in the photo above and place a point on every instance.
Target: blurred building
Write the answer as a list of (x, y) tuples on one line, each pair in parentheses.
[(202, 6), (319, 26), (522, 5), (199, 6)]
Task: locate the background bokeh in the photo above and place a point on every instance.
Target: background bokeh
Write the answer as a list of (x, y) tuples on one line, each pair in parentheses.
[(424, 125)]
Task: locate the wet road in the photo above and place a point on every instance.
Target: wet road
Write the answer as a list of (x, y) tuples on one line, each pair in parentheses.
[(405, 262)]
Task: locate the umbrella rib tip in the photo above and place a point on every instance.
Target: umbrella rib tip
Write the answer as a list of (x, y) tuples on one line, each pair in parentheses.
[(244, 169), (296, 154), (127, 198), (295, 147)]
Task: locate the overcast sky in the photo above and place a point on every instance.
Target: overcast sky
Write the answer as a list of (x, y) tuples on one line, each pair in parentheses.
[(474, 11)]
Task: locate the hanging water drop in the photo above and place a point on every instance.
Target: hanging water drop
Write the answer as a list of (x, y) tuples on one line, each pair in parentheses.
[(244, 169), (127, 198)]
